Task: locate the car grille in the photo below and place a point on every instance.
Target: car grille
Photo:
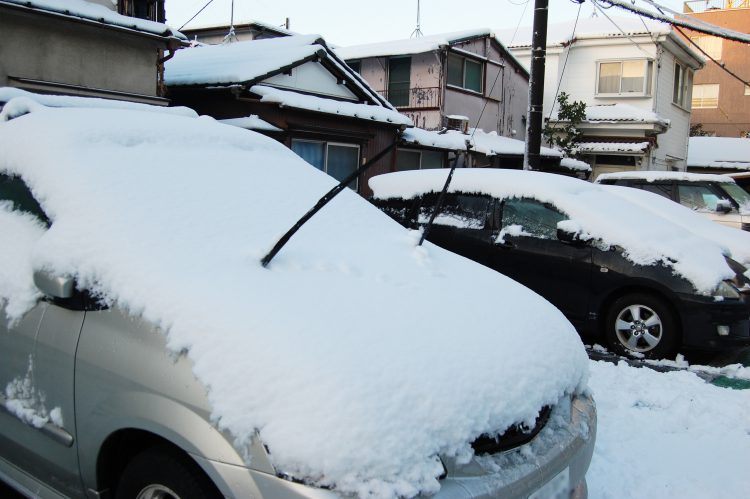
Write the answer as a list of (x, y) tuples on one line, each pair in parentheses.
[(515, 436)]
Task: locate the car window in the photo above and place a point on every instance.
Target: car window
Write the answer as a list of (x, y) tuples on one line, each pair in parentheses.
[(698, 197), (465, 211), (533, 218), (660, 189), (737, 193), (15, 190)]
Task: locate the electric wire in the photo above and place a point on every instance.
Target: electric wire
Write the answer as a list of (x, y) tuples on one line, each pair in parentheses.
[(565, 62), (196, 15)]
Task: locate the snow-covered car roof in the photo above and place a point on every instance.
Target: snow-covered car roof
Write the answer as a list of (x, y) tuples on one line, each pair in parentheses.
[(646, 238), (654, 176), (357, 356)]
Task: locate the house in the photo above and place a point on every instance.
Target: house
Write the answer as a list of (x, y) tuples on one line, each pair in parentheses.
[(635, 76), (721, 103), (718, 155), (212, 34), (297, 90), (466, 74), (107, 49)]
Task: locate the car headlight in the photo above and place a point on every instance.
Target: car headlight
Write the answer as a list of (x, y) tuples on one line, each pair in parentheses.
[(726, 290)]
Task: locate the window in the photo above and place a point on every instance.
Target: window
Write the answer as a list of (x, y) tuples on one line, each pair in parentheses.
[(153, 10), (705, 96), (418, 160), (747, 89), (530, 218), (657, 188), (337, 160), (683, 84), (462, 211), (15, 191), (698, 197), (711, 45), (465, 73), (356, 66), (631, 78), (399, 77)]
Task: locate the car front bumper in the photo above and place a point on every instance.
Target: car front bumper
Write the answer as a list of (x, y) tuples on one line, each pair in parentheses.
[(701, 319)]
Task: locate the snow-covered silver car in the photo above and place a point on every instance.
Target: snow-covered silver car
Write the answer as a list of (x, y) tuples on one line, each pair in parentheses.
[(145, 351)]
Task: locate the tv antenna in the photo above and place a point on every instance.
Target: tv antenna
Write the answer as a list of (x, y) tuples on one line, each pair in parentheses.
[(231, 37), (417, 33)]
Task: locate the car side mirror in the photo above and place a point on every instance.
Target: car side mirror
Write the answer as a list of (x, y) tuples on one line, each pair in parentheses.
[(568, 236), (54, 286), (723, 206)]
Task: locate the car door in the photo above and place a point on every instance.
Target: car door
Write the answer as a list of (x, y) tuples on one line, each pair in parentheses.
[(463, 224), (527, 250), (37, 354)]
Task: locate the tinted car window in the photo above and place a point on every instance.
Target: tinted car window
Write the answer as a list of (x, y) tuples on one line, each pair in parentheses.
[(698, 197), (737, 193), (15, 190), (536, 219), (458, 210), (660, 189)]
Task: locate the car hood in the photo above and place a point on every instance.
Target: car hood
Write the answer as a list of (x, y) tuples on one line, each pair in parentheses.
[(646, 239), (357, 356)]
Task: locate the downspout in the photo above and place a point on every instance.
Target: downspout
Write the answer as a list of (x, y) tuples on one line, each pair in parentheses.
[(655, 107), (172, 45)]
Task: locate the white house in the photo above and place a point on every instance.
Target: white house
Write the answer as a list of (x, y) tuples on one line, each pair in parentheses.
[(635, 76)]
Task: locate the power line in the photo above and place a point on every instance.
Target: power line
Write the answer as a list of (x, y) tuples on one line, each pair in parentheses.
[(196, 14), (601, 9), (720, 64), (565, 63)]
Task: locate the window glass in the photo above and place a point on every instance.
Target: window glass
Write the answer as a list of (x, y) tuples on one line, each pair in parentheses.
[(660, 189), (710, 44), (609, 77), (431, 160), (698, 197), (407, 160), (463, 211), (342, 161), (677, 83), (455, 70), (312, 152), (535, 218), (473, 75), (632, 76), (399, 76), (737, 193), (705, 96), (15, 190)]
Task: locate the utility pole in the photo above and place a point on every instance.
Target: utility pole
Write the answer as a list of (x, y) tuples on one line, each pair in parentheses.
[(536, 87)]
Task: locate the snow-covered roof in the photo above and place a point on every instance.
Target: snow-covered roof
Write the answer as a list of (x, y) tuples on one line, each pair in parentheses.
[(239, 24), (287, 98), (482, 142), (719, 152), (620, 113), (409, 45), (592, 27), (97, 13), (604, 147), (653, 176), (240, 62), (252, 122), (575, 164), (277, 348), (647, 239), (8, 93)]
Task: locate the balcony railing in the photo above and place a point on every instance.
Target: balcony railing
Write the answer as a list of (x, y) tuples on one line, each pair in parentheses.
[(413, 98), (703, 5)]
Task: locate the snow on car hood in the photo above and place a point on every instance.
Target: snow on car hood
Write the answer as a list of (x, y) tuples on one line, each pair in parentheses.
[(736, 243), (356, 355), (646, 239)]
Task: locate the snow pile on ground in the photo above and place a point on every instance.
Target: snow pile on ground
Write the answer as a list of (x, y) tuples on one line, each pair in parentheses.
[(667, 435), (735, 242), (297, 100), (342, 393), (646, 239), (23, 401)]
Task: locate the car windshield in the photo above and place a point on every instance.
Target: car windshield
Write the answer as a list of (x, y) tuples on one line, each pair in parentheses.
[(739, 194)]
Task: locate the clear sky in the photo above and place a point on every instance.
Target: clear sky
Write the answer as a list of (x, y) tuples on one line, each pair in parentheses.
[(351, 22)]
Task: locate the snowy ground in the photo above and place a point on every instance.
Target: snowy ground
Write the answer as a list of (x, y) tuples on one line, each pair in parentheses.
[(667, 435)]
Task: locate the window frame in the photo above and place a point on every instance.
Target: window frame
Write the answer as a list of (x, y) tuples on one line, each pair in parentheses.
[(648, 76), (700, 41), (463, 59), (702, 104), (421, 152), (682, 86), (327, 144), (393, 85)]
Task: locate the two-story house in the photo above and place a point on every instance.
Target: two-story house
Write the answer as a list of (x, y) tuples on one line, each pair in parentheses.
[(97, 48), (635, 76), (465, 74), (721, 102)]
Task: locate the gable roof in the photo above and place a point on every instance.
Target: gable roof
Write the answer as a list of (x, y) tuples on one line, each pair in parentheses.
[(247, 63), (91, 12)]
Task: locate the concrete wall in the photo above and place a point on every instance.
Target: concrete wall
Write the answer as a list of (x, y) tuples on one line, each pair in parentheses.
[(58, 51)]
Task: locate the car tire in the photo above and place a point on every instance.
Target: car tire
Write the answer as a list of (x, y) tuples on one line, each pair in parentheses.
[(162, 473), (641, 323)]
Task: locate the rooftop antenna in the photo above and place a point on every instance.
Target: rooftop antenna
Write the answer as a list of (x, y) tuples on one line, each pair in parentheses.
[(417, 33), (231, 37)]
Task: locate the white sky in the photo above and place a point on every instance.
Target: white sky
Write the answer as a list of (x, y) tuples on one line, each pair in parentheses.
[(351, 22)]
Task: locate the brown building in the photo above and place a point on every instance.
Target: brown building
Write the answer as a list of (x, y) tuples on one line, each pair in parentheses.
[(721, 103)]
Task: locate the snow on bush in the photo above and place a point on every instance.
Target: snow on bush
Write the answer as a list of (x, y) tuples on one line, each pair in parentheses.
[(645, 238), (357, 357)]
